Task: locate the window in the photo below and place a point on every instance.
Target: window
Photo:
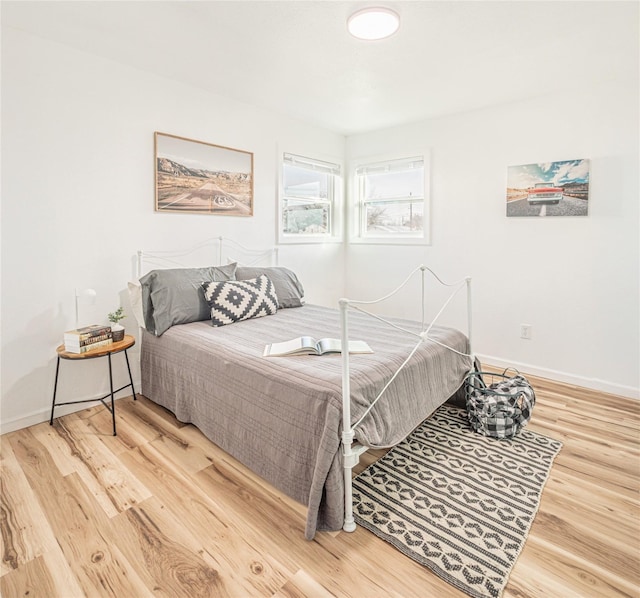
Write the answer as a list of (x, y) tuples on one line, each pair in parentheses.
[(309, 199), (391, 199)]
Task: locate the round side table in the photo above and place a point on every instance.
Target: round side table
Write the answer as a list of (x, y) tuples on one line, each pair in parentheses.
[(118, 347)]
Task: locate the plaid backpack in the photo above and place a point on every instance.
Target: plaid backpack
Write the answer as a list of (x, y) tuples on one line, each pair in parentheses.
[(501, 408)]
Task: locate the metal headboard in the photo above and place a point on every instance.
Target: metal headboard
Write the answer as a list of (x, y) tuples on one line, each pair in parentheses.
[(219, 249)]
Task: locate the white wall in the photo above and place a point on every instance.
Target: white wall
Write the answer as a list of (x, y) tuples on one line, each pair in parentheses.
[(78, 202), (575, 280)]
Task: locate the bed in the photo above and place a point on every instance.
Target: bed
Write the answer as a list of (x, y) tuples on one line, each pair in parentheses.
[(300, 422)]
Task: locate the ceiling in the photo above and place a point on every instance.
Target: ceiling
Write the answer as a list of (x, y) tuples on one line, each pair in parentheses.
[(297, 58)]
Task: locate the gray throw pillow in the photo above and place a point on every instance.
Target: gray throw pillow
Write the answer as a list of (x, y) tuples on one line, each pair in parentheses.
[(175, 296), (288, 288)]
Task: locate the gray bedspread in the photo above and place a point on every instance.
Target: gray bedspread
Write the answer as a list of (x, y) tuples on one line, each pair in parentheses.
[(281, 416)]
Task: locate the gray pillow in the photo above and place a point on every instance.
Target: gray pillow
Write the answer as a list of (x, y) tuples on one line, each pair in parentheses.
[(175, 296), (288, 288)]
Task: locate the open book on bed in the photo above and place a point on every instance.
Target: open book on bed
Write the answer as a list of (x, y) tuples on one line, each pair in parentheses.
[(306, 345)]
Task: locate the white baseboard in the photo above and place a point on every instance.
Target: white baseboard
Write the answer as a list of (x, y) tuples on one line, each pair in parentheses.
[(24, 421), (43, 415), (592, 383)]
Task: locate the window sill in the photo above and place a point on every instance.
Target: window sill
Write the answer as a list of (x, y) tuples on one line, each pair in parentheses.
[(394, 241), (303, 240)]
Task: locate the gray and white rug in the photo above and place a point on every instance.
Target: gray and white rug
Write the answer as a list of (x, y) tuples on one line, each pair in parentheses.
[(455, 501)]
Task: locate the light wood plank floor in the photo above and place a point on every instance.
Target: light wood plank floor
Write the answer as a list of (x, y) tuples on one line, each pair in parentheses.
[(160, 511)]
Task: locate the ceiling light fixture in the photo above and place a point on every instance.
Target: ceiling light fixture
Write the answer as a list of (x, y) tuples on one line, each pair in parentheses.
[(373, 23)]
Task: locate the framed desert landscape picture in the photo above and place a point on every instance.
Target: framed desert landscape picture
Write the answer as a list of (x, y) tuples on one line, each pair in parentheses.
[(548, 189), (202, 178)]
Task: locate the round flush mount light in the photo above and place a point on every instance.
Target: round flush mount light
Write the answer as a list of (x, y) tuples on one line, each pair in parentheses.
[(373, 23)]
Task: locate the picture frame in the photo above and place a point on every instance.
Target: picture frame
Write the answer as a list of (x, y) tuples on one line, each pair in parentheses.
[(196, 177), (558, 188)]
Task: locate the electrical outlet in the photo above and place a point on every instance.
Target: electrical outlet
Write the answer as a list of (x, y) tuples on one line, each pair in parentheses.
[(526, 331)]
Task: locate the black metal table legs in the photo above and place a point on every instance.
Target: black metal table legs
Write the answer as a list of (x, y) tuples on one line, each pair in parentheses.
[(112, 391)]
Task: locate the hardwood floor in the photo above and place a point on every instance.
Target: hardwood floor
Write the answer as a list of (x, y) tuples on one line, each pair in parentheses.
[(161, 511)]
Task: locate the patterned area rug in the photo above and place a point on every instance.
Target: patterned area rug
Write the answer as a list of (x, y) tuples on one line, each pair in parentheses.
[(455, 501)]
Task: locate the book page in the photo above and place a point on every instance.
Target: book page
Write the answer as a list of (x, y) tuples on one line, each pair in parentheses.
[(334, 345), (359, 347), (296, 346), (329, 345)]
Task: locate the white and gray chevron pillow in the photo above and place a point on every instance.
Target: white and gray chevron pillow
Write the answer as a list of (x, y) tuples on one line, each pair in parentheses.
[(236, 300)]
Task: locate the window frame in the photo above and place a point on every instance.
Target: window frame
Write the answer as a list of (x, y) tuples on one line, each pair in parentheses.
[(329, 165), (358, 202)]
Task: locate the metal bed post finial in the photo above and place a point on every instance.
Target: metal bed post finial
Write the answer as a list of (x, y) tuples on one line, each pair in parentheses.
[(139, 264), (220, 239)]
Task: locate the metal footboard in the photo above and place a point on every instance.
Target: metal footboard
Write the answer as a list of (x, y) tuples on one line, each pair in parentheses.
[(350, 452)]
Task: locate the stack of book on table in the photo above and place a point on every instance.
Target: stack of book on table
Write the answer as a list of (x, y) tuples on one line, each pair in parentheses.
[(87, 338)]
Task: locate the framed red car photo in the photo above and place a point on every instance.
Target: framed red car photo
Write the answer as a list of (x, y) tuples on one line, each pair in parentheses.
[(548, 189)]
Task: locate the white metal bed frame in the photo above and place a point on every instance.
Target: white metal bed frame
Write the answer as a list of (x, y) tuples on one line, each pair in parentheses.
[(166, 259), (351, 450)]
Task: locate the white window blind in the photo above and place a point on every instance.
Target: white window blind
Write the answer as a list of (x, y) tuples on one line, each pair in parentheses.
[(391, 166), (312, 164)]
